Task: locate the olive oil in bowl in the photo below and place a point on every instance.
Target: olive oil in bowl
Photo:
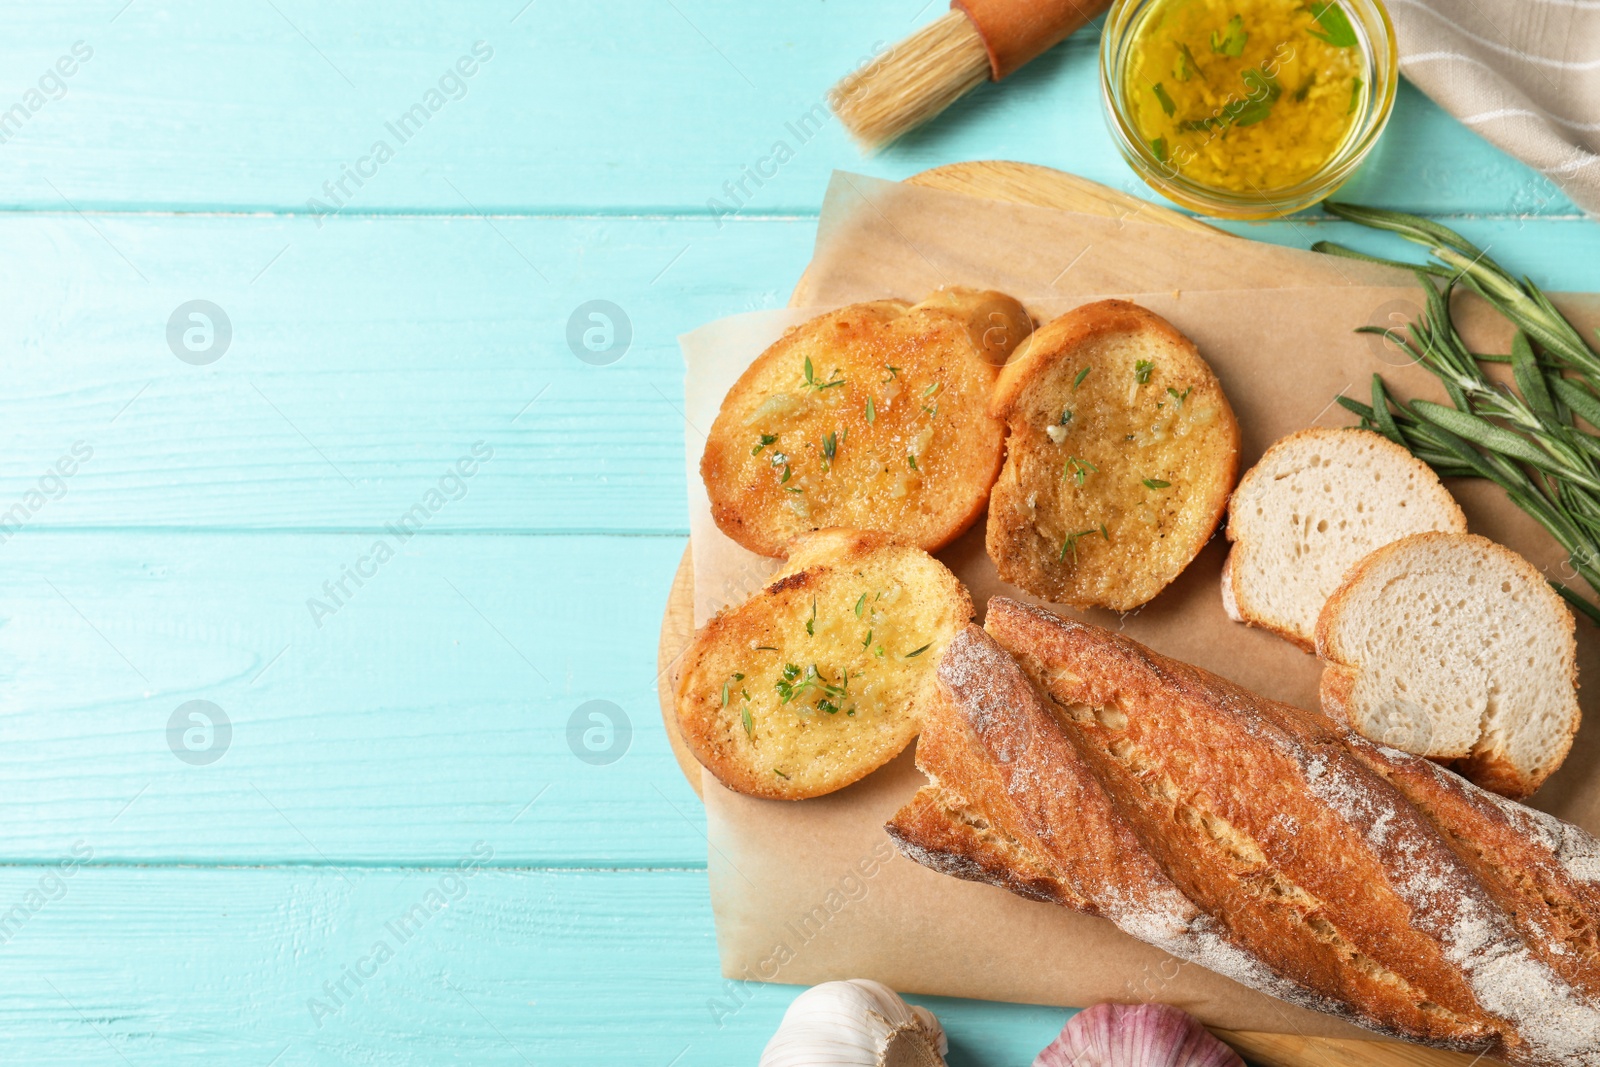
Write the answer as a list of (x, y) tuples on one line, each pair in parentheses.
[(1247, 108)]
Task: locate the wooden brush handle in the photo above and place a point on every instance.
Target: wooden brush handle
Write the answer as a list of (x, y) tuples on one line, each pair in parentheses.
[(1015, 31)]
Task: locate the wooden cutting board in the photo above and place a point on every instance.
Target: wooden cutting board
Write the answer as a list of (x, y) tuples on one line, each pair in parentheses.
[(1026, 183)]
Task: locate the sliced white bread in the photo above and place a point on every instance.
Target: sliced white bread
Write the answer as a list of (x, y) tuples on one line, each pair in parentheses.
[(1316, 503), (1453, 647)]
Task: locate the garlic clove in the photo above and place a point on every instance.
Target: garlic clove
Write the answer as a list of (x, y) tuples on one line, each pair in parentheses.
[(855, 1023), (1136, 1035)]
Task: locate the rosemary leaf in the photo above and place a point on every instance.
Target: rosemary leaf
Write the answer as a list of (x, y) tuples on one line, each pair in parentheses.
[(1578, 399), (1525, 440), (1333, 248), (1411, 227), (1380, 408), (1484, 433), (1529, 378)]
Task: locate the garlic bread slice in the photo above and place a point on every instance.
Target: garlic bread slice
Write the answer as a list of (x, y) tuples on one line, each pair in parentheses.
[(824, 675), (1120, 452), (872, 417)]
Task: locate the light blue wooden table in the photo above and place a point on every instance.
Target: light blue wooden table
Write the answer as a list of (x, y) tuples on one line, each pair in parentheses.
[(194, 513)]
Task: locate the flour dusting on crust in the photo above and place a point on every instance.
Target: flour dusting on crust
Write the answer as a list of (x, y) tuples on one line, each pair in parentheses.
[(1553, 1021), (1576, 851), (1171, 922), (983, 681), (1493, 985)]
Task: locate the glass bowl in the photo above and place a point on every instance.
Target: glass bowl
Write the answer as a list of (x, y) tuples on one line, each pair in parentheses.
[(1375, 35)]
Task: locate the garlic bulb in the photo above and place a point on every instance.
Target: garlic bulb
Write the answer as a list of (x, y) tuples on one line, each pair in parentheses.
[(1136, 1035), (858, 1023)]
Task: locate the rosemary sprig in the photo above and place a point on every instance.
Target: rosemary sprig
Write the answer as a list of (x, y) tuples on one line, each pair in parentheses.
[(1520, 301), (1526, 440)]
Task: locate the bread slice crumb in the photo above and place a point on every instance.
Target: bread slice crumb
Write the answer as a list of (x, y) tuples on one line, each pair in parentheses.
[(1453, 647), (1312, 506)]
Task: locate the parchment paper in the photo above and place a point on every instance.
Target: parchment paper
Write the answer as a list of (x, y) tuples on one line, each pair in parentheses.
[(809, 891), (891, 238)]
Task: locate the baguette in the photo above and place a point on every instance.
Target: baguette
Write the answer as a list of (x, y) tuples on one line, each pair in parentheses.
[(823, 676), (1261, 841), (1120, 452), (1009, 796), (873, 417), (1539, 868)]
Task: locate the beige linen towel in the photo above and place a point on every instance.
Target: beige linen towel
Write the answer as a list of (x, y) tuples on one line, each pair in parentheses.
[(1525, 74)]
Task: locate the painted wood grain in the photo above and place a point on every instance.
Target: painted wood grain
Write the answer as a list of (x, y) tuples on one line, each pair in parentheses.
[(117, 965), (367, 358), (475, 685), (364, 361), (369, 353), (609, 106)]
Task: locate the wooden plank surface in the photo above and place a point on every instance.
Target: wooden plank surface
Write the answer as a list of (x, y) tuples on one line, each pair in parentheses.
[(437, 700), (178, 165), (371, 355), (612, 106), (120, 965)]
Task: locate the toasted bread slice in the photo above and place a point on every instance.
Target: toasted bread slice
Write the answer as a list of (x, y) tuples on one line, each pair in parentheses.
[(1453, 647), (1310, 508), (1120, 452), (872, 417), (823, 676)]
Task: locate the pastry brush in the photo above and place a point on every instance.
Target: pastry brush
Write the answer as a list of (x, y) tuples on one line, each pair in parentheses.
[(976, 40)]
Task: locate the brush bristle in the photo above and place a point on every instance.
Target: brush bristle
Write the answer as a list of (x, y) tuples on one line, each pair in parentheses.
[(916, 80)]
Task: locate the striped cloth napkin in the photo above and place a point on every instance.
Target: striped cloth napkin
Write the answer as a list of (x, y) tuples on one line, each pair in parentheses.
[(1525, 74)]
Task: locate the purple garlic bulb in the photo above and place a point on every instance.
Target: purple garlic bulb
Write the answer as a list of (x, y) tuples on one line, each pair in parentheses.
[(1136, 1035)]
